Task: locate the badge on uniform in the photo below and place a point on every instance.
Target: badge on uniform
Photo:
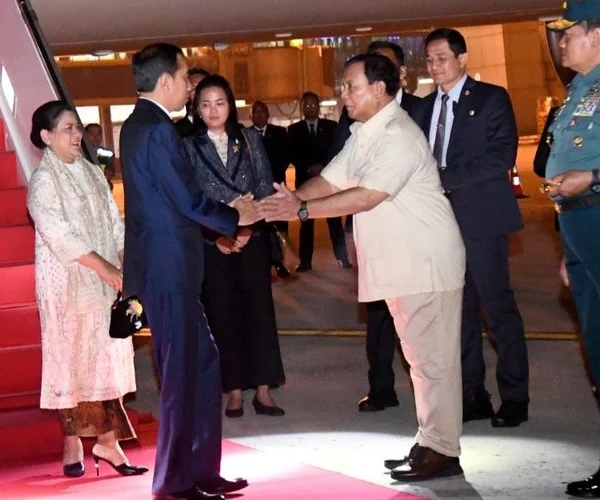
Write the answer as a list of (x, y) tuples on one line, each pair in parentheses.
[(587, 106)]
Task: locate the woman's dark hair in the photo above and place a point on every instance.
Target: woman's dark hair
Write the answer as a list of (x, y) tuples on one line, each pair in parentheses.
[(232, 126), (46, 117), (151, 62), (455, 40), (379, 69), (384, 44)]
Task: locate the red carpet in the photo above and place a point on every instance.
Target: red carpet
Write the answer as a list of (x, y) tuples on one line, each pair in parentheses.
[(270, 477)]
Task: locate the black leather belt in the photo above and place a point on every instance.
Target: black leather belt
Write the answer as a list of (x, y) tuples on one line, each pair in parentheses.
[(577, 203)]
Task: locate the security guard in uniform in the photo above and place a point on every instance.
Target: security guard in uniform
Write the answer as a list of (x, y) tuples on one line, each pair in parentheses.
[(573, 181)]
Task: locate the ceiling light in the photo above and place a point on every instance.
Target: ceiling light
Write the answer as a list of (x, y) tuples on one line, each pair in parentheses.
[(364, 29), (103, 53), (240, 103), (220, 46), (329, 102), (425, 81), (283, 35)]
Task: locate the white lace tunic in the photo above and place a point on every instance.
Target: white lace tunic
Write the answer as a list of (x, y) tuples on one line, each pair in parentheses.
[(74, 213)]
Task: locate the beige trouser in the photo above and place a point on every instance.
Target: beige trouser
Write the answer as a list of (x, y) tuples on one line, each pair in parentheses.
[(428, 325)]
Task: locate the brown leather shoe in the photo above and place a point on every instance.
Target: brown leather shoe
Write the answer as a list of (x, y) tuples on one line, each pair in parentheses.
[(394, 463), (427, 464)]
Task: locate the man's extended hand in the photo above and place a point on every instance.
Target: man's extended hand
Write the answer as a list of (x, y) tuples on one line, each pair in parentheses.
[(572, 183), (247, 209), (282, 205)]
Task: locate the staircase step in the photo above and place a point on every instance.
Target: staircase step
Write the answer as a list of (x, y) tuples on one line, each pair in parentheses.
[(20, 373), (19, 326), (35, 434), (9, 177), (17, 285), (13, 207), (17, 245), (2, 137)]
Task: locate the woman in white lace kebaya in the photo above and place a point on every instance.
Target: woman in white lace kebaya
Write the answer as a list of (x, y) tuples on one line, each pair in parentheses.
[(78, 253)]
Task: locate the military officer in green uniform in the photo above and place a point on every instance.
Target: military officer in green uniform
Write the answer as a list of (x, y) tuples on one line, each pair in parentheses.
[(573, 181)]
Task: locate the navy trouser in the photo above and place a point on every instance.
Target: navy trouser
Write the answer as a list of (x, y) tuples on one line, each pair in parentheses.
[(580, 232), (336, 234), (188, 449), (487, 289), (381, 344)]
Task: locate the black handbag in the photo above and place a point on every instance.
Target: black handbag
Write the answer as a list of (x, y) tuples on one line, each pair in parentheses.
[(127, 317)]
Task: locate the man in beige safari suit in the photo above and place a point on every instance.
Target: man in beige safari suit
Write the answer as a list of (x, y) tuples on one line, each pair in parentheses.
[(409, 250)]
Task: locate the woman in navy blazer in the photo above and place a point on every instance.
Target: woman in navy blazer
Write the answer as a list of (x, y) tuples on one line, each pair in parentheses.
[(231, 161)]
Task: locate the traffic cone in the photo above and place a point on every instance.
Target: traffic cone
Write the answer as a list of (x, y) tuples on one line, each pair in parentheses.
[(516, 184)]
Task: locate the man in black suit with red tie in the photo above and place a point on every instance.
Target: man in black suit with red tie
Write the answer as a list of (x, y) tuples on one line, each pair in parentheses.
[(473, 135), (310, 140), (381, 334), (275, 140)]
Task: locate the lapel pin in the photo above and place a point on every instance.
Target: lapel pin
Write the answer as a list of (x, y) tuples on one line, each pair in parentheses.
[(467, 92), (471, 113)]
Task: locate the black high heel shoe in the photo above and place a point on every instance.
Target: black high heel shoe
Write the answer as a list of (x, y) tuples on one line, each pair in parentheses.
[(124, 469), (74, 470), (235, 412), (269, 411)]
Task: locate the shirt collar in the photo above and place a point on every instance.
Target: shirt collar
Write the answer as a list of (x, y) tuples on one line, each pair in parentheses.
[(312, 122), (377, 122), (399, 96), (454, 94), (157, 104), (216, 137), (592, 77)]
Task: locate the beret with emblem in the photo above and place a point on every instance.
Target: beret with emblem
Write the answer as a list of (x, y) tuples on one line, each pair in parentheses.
[(575, 12)]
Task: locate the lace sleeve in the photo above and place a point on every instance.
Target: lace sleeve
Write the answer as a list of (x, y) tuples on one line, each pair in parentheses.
[(46, 210)]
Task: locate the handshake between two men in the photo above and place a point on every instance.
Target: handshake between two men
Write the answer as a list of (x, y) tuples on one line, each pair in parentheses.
[(281, 205)]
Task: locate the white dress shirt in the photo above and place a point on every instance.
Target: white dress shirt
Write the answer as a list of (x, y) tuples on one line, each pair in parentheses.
[(453, 97), (158, 104)]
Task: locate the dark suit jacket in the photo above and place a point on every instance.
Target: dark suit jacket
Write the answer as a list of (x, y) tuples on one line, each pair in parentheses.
[(305, 150), (342, 132), (482, 149), (244, 173), (276, 144), (543, 150), (165, 208), (184, 126)]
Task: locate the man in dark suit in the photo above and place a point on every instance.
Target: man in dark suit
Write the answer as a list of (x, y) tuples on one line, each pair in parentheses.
[(472, 132), (310, 140), (275, 140), (185, 125), (165, 211), (381, 334)]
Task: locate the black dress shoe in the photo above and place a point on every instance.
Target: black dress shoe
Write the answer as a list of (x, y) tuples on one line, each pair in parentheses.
[(588, 488), (511, 414), (478, 406), (282, 271), (427, 464), (372, 403), (194, 493), (344, 264), (74, 470), (222, 486), (302, 268), (269, 411), (394, 463)]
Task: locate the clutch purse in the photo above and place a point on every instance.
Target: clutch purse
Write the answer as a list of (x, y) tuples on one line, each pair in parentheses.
[(127, 317)]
